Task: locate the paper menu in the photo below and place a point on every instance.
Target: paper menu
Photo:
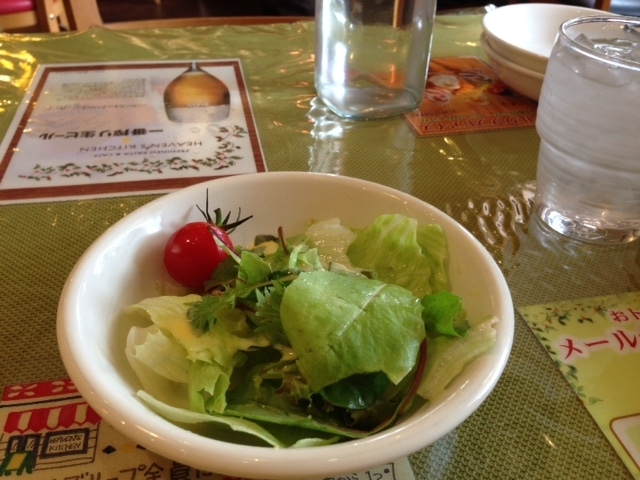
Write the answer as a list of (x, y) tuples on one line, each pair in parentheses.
[(595, 342), (47, 431), (118, 128)]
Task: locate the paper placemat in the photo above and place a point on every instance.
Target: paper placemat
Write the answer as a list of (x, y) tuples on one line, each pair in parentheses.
[(104, 129), (463, 95), (595, 342), (49, 432)]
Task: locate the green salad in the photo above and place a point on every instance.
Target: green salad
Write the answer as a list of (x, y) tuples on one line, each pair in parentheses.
[(311, 339)]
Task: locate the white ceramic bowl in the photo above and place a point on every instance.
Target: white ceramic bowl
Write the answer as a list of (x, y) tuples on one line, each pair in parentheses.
[(125, 264), (524, 33), (523, 80)]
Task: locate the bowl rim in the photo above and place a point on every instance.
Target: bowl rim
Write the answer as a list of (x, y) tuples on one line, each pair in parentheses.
[(496, 16), (506, 63), (171, 441)]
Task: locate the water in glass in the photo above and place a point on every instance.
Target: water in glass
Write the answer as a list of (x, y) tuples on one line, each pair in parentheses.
[(588, 181)]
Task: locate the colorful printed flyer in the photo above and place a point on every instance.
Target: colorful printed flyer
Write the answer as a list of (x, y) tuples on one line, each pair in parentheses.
[(124, 128), (48, 432), (595, 342), (463, 95)]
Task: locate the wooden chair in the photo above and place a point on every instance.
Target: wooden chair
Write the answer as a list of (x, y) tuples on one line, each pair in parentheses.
[(33, 16), (83, 14), (603, 5)]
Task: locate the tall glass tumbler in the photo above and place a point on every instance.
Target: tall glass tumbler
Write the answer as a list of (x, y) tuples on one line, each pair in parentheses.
[(372, 55), (588, 180)]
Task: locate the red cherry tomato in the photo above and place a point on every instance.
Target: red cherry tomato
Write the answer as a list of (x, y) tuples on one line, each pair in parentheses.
[(192, 254)]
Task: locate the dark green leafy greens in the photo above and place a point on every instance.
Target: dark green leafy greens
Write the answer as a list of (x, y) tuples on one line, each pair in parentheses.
[(309, 340)]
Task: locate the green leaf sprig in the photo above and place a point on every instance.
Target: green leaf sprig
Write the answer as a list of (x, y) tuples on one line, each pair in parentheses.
[(217, 218)]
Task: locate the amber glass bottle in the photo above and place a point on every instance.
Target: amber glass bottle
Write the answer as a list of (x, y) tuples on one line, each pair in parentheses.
[(196, 97)]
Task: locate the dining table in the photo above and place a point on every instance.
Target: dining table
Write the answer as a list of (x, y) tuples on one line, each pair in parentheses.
[(533, 425)]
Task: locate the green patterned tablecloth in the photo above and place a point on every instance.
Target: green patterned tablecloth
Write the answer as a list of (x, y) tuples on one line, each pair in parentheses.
[(532, 426)]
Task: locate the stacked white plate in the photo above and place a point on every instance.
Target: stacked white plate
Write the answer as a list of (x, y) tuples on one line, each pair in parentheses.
[(518, 40)]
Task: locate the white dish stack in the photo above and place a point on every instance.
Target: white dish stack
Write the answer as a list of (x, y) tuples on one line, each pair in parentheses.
[(518, 40)]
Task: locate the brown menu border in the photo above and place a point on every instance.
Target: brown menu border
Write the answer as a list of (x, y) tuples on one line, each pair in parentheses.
[(125, 187)]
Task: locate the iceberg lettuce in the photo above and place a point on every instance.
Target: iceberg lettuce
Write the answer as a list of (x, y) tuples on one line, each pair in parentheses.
[(448, 357), (170, 315), (401, 252)]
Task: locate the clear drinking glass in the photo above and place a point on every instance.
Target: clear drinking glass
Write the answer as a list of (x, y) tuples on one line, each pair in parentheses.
[(372, 55), (588, 181)]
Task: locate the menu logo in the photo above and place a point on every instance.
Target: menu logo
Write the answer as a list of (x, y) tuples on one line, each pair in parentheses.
[(67, 442), (44, 426)]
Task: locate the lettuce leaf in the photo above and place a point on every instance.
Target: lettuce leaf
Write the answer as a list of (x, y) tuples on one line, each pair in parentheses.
[(208, 385), (263, 402), (448, 356), (357, 392), (332, 240), (159, 353), (252, 269), (443, 314), (433, 245), (280, 438), (207, 361), (399, 252), (166, 380), (345, 325), (220, 345)]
